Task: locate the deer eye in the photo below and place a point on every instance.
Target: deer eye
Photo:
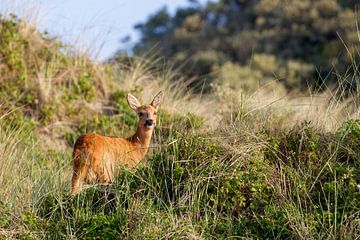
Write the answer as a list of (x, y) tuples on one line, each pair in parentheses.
[(155, 113), (140, 114)]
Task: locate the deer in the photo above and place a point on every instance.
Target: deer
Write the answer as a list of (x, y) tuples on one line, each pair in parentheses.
[(97, 157)]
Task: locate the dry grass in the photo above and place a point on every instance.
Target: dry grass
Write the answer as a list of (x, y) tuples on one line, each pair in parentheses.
[(325, 110), (35, 161)]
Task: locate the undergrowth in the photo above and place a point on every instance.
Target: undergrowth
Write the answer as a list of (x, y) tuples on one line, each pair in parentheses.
[(248, 176)]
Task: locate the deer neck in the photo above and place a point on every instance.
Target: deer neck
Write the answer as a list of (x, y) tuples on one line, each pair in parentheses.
[(141, 139)]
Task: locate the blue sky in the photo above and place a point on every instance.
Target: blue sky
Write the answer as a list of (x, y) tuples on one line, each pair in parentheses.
[(93, 25)]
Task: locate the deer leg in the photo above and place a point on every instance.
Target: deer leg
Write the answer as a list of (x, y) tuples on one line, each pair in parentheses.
[(78, 178)]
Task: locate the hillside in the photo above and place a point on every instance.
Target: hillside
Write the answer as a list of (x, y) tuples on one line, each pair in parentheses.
[(228, 164)]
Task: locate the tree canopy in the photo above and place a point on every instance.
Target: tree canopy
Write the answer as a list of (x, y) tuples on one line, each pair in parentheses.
[(243, 43)]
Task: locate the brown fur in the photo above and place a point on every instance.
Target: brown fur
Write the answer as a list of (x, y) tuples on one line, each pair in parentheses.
[(99, 157)]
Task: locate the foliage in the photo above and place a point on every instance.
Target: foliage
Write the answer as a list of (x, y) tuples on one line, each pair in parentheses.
[(251, 176), (37, 76), (296, 42), (282, 190)]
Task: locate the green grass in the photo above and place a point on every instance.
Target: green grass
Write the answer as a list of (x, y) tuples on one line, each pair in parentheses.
[(196, 186), (238, 170)]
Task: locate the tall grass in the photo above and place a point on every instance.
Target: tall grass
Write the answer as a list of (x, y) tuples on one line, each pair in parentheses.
[(227, 165), (26, 171)]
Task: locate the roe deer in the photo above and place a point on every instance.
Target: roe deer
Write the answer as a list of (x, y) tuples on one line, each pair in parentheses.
[(98, 157)]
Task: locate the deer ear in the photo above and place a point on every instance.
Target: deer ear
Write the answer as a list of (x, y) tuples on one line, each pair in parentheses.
[(133, 102), (157, 99)]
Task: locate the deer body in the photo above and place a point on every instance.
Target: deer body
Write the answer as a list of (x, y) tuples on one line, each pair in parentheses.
[(100, 157)]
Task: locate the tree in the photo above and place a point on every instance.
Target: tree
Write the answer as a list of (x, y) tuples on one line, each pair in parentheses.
[(316, 35)]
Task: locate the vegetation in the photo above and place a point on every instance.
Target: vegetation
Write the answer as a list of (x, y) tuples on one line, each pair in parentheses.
[(244, 44), (265, 165)]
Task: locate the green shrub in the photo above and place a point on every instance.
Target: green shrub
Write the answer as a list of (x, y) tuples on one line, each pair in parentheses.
[(104, 125), (119, 103)]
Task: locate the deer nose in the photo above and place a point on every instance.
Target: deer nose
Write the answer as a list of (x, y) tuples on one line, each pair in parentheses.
[(149, 122)]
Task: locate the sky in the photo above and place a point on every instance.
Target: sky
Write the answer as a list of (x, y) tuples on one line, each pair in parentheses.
[(96, 26)]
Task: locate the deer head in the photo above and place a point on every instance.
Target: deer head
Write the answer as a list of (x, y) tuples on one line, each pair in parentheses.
[(146, 113)]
